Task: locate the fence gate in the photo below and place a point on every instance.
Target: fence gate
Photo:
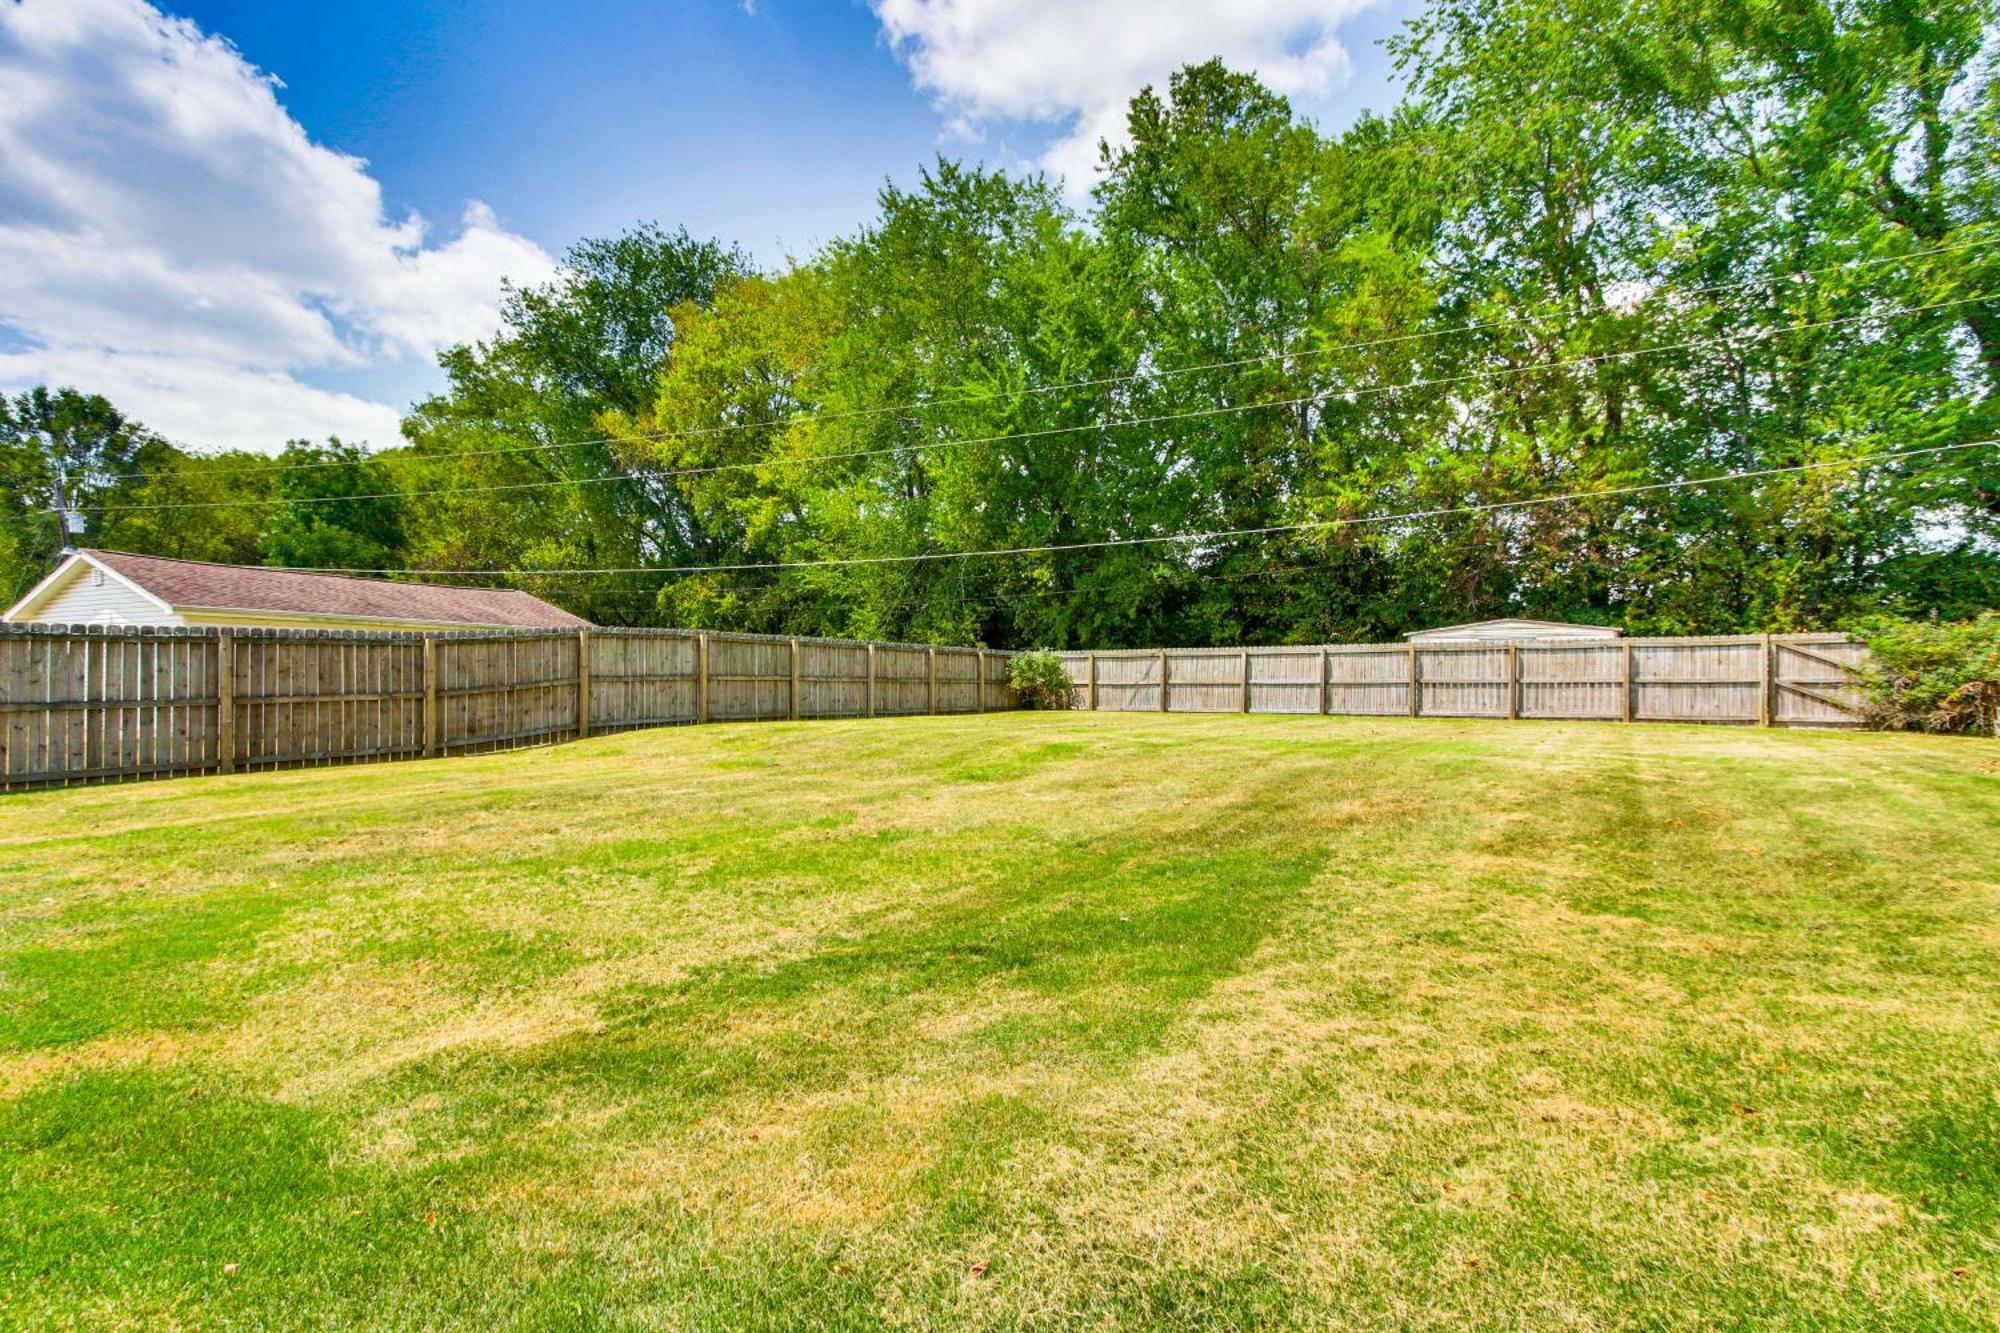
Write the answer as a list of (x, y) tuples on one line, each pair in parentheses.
[(1814, 684)]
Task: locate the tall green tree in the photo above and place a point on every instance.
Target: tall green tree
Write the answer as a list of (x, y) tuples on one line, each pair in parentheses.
[(1638, 186), (517, 446), (336, 508), (191, 506), (64, 456), (933, 384)]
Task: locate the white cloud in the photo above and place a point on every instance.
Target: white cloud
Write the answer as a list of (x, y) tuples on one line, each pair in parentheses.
[(1077, 65), (171, 238), (213, 402)]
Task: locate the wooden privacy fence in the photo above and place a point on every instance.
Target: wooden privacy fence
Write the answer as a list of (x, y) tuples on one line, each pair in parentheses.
[(96, 703), (1773, 680)]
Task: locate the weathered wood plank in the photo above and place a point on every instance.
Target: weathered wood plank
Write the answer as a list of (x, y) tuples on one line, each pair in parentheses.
[(225, 703)]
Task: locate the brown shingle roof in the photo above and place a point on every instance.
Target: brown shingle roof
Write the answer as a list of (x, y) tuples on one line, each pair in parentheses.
[(193, 583)]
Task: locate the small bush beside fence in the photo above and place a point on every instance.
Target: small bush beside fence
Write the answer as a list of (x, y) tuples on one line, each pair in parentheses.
[(1041, 681), (1927, 676)]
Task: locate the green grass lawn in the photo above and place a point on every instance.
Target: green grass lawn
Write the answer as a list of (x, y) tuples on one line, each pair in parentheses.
[(1016, 1020)]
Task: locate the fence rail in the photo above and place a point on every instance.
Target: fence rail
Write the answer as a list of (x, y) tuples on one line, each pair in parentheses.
[(96, 703), (1788, 680)]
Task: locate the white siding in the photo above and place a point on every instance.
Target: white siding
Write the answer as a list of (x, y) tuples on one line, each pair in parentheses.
[(91, 597)]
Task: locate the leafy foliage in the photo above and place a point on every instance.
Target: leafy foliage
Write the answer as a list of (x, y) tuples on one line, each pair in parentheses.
[(67, 455), (1040, 681), (1931, 676), (337, 508), (515, 455)]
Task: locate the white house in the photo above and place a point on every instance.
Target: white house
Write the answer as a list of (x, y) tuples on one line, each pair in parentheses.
[(1514, 631), (116, 588)]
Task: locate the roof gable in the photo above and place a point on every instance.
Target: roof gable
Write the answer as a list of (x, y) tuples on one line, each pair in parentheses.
[(64, 576), (197, 585)]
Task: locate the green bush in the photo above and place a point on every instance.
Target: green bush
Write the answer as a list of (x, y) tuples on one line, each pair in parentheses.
[(1040, 681), (1929, 676)]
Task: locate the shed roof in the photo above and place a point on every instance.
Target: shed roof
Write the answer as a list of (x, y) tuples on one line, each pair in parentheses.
[(198, 585), (1514, 628)]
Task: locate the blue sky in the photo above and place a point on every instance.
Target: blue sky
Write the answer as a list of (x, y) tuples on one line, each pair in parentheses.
[(197, 242), (774, 128)]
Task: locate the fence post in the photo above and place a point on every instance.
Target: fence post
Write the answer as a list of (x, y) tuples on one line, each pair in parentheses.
[(795, 680), (1513, 681), (1767, 684), (1091, 681), (871, 680), (701, 677), (930, 680), (582, 683), (979, 677), (225, 702), (1163, 681), (1325, 681), (1631, 706), (1243, 671), (430, 697), (1416, 683)]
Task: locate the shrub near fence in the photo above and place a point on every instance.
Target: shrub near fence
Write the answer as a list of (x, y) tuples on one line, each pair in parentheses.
[(1775, 680), (96, 703)]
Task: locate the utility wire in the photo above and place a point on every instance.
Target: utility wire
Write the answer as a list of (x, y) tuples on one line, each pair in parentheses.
[(1328, 395), (1799, 275), (1316, 525), (1287, 572)]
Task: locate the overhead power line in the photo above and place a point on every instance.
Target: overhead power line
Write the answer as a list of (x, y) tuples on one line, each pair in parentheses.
[(1164, 418), (1294, 354), (1224, 534)]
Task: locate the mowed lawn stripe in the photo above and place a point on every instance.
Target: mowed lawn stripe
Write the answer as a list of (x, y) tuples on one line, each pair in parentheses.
[(1015, 1020)]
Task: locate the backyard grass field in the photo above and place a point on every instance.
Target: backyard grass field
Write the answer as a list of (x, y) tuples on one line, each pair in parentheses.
[(1016, 1020)]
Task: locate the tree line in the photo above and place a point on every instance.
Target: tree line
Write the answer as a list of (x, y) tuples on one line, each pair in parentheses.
[(1599, 253)]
